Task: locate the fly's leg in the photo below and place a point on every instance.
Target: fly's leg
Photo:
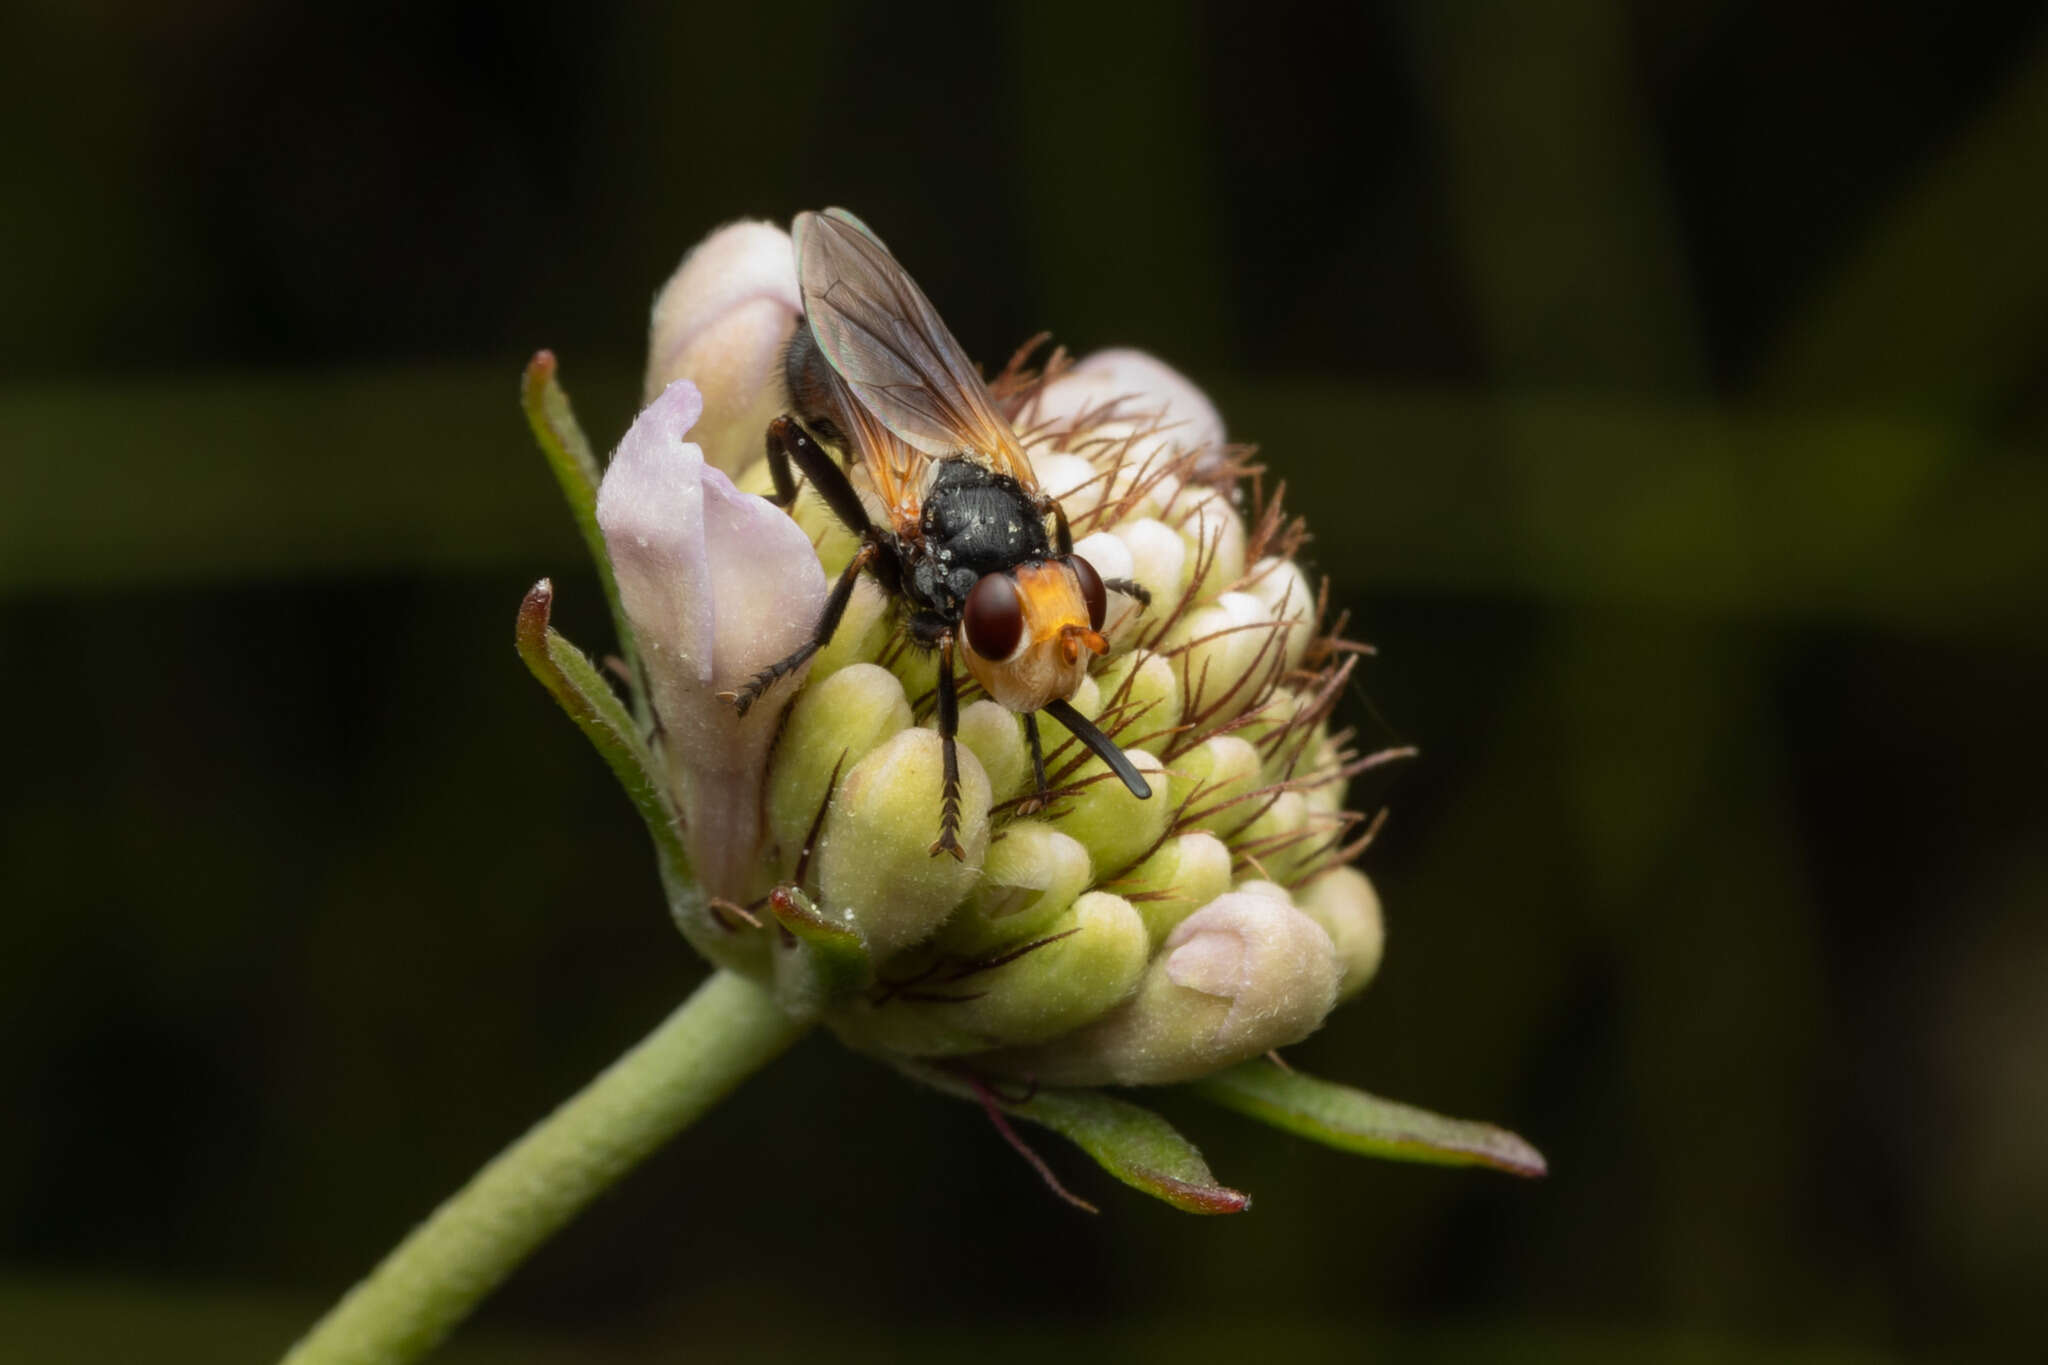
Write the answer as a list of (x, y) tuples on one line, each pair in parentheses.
[(929, 630), (789, 443), (1130, 587), (949, 725), (783, 434), (1063, 542), (828, 621), (1037, 763), (1062, 534)]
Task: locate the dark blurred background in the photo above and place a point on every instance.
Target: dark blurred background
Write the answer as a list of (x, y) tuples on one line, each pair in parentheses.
[(1668, 383)]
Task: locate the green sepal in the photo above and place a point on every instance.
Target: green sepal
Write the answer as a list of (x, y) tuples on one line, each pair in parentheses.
[(1353, 1121), (569, 454), (575, 683), (1132, 1143), (819, 961)]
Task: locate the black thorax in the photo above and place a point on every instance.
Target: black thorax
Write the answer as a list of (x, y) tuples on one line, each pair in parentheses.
[(975, 521)]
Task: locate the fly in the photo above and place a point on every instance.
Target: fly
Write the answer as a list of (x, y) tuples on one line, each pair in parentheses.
[(980, 557)]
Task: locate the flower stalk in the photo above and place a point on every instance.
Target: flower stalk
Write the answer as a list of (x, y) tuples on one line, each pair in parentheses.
[(722, 1034)]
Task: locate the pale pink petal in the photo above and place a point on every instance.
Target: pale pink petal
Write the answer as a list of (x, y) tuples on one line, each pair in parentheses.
[(722, 322), (718, 584)]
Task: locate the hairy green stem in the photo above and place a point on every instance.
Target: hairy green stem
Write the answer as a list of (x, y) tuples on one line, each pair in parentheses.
[(718, 1037)]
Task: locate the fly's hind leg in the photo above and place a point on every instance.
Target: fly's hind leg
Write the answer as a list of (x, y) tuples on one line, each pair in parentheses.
[(789, 443), (749, 692)]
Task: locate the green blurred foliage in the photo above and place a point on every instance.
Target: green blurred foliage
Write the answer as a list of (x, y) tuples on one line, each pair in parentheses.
[(1666, 384)]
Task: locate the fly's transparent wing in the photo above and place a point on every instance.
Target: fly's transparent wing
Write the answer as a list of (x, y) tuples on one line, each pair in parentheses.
[(883, 337), (894, 467)]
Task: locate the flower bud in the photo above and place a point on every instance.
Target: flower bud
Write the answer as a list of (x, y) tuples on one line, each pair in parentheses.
[(1213, 531), (1323, 783), (1134, 386), (1032, 873), (1344, 902), (1087, 698), (722, 321), (1160, 562), (1279, 837), (873, 859), (1115, 826), (833, 725), (1271, 729), (1085, 962), (1092, 956), (1107, 552), (1282, 589), (1140, 691), (836, 544), (1210, 779), (1187, 872), (1111, 559), (918, 669), (1225, 655), (866, 628), (1074, 480), (996, 736), (1140, 482), (1242, 975)]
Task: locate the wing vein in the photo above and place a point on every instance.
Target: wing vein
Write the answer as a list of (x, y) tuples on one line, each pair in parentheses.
[(889, 346)]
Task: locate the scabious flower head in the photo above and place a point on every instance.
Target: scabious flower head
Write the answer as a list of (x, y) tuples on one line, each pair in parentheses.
[(1086, 937)]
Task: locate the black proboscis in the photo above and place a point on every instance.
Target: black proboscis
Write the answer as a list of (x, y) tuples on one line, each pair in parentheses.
[(1102, 746)]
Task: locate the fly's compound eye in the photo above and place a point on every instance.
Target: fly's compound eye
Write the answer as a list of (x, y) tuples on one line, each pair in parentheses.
[(994, 617), (1091, 590)]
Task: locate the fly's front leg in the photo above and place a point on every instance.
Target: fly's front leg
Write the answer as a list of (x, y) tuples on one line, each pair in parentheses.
[(929, 630), (949, 726), (828, 621), (1037, 763)]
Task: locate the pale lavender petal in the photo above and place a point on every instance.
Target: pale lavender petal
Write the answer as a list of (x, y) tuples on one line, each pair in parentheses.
[(721, 322), (1143, 386), (718, 584)]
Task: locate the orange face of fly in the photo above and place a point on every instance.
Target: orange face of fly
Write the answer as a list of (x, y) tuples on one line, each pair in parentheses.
[(1028, 634)]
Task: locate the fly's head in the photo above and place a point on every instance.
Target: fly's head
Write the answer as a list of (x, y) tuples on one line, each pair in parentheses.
[(1029, 632)]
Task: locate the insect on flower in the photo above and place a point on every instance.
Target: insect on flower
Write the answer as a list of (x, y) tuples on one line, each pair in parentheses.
[(952, 522)]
